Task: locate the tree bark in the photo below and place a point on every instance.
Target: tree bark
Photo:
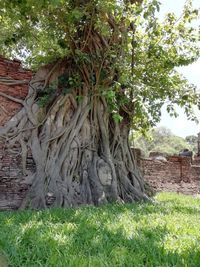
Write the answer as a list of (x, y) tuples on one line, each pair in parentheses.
[(82, 156)]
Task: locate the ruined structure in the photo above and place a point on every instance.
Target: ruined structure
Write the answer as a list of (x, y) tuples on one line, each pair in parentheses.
[(14, 82), (173, 174), (198, 153)]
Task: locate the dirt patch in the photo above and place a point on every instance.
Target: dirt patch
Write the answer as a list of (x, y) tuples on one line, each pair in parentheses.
[(3, 262)]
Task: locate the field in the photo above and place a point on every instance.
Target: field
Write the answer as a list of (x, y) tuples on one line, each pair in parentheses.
[(165, 233)]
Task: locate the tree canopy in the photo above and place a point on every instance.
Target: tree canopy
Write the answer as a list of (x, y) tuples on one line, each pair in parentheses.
[(141, 50)]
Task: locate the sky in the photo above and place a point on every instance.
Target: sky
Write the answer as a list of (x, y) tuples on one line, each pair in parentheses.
[(181, 126)]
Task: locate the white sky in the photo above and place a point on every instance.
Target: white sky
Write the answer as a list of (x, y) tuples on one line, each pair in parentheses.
[(181, 126)]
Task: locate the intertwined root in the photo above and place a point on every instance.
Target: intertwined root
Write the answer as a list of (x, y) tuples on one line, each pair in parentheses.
[(81, 155)]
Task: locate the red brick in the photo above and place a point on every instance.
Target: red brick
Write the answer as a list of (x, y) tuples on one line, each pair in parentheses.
[(12, 69)]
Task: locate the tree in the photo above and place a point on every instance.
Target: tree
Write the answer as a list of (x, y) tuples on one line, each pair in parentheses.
[(192, 141), (162, 140), (109, 66)]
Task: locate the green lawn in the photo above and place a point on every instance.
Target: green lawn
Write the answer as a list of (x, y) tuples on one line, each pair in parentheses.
[(163, 234)]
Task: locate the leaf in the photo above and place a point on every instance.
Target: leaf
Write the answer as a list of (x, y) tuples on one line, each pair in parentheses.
[(117, 118)]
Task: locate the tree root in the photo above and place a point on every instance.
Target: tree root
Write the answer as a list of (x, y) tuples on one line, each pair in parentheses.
[(81, 155)]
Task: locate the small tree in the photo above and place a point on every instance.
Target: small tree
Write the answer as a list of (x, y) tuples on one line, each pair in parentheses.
[(110, 66), (162, 140), (192, 141)]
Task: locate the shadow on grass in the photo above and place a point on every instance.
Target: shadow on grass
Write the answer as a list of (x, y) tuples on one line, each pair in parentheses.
[(3, 262), (113, 235)]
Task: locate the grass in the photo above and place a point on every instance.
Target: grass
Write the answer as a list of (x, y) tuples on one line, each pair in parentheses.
[(156, 235)]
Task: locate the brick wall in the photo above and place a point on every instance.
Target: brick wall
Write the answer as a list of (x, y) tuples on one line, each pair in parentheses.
[(12, 188), (196, 160), (173, 174), (12, 70)]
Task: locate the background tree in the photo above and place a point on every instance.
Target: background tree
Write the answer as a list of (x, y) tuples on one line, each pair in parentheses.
[(111, 66), (162, 140), (192, 141)]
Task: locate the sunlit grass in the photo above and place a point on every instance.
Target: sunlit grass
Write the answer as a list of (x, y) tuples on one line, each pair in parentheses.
[(166, 233)]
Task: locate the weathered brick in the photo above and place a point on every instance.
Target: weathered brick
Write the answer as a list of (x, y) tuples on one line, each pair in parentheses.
[(12, 190), (12, 69)]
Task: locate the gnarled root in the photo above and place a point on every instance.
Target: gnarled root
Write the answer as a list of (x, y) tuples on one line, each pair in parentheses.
[(81, 155)]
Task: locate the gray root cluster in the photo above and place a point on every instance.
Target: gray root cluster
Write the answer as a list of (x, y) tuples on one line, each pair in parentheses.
[(81, 155)]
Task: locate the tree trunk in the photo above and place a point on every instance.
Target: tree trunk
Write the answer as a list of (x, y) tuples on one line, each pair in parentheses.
[(82, 156)]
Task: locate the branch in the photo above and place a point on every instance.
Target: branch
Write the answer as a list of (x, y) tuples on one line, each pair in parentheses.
[(12, 98), (5, 81), (4, 110), (89, 31), (50, 73)]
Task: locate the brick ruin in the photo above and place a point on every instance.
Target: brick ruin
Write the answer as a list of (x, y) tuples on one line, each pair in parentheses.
[(12, 189), (12, 71), (172, 174)]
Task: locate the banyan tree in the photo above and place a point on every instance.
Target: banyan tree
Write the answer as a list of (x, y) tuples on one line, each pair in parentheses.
[(102, 68)]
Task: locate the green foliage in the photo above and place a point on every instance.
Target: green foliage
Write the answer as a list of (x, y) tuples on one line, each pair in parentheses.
[(47, 95), (192, 141), (117, 118), (163, 140), (67, 83), (143, 56), (163, 234)]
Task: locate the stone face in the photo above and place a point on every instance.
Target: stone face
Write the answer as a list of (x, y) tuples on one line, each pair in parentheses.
[(104, 173)]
